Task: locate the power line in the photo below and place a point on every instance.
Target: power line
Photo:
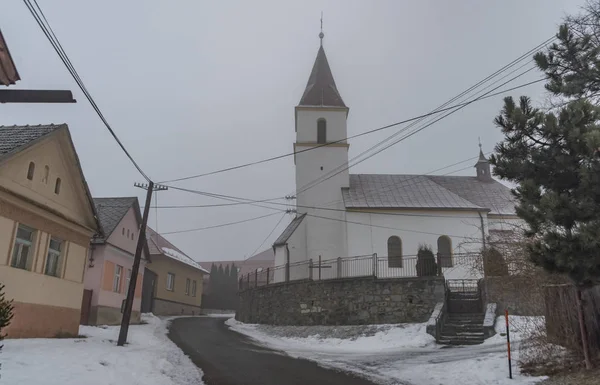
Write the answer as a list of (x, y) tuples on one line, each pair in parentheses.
[(402, 184), (53, 39), (220, 225), (437, 110), (410, 134), (344, 166), (327, 218), (345, 139), (267, 237)]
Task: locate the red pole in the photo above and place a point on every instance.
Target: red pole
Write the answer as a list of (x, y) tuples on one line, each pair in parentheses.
[(508, 344)]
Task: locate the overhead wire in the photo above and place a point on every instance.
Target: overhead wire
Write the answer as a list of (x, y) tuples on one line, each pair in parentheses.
[(266, 238), (219, 225), (46, 28), (435, 111)]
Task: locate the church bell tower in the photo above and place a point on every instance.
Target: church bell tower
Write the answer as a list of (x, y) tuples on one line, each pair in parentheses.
[(321, 158)]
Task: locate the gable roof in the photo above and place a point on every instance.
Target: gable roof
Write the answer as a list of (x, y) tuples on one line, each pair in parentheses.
[(289, 230), (427, 191), (14, 139), (158, 245), (110, 213), (8, 72), (321, 89)]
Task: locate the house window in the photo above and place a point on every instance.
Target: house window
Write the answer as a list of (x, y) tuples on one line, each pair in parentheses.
[(127, 233), (53, 259), (117, 279), (22, 257), (57, 186), (170, 281), (193, 288), (394, 246), (132, 235), (187, 286), (30, 170), (444, 245), (46, 174), (321, 131), (123, 230)]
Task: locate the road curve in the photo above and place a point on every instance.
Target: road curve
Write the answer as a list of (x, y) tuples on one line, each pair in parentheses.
[(229, 358)]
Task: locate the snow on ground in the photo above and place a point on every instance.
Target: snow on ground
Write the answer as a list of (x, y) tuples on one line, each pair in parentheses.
[(355, 339), (149, 358), (404, 354)]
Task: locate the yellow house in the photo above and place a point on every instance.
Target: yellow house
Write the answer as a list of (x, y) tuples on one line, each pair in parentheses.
[(176, 279), (47, 218)]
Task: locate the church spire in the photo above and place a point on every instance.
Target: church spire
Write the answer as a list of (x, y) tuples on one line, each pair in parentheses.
[(483, 167), (320, 89)]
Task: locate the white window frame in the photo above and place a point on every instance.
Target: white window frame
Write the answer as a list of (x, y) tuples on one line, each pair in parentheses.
[(117, 279), (188, 284), (19, 244), (170, 281), (128, 280), (56, 256), (194, 284)]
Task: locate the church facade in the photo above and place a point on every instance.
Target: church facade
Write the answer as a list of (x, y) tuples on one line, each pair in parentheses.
[(343, 215)]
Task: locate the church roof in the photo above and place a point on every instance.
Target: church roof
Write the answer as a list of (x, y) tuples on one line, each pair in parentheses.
[(321, 89), (427, 191), (289, 230)]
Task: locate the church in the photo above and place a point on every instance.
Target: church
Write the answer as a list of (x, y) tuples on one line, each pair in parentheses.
[(344, 215)]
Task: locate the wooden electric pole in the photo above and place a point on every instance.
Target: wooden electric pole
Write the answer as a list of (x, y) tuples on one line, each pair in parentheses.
[(136, 261)]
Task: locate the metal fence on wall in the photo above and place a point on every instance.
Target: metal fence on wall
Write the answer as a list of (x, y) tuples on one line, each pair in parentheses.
[(457, 266)]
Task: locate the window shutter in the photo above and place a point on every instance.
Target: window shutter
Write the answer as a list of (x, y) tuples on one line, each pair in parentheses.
[(109, 274)]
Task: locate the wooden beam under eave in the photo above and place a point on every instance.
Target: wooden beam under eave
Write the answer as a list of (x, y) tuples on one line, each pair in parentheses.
[(36, 96)]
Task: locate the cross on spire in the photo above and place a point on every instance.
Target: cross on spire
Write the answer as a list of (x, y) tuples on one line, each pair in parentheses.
[(321, 34)]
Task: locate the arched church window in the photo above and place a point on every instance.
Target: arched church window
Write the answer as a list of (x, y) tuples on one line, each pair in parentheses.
[(444, 246), (321, 131), (394, 246)]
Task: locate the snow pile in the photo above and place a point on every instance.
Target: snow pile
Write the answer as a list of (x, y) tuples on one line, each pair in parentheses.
[(398, 353), (182, 258), (331, 339), (149, 358)]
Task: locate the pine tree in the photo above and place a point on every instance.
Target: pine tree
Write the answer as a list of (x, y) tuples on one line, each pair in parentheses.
[(6, 313), (555, 162), (554, 158)]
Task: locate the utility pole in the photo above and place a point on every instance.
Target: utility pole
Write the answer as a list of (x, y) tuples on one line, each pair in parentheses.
[(150, 187)]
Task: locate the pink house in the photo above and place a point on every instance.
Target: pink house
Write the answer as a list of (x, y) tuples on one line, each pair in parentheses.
[(108, 270)]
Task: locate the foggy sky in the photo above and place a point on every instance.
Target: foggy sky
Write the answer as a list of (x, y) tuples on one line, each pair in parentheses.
[(195, 86)]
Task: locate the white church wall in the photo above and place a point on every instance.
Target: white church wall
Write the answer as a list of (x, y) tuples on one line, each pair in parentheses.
[(306, 124), (462, 227), (296, 247), (325, 237)]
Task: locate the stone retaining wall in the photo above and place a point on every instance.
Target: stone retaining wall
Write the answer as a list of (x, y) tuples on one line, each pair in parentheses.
[(352, 301)]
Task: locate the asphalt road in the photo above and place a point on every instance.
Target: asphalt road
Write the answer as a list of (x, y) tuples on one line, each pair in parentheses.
[(229, 358)]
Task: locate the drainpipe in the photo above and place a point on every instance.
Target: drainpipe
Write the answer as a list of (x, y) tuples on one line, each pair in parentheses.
[(482, 230), (483, 241)]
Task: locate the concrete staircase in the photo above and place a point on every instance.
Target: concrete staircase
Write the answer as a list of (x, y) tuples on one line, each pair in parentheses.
[(462, 329), (463, 322)]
